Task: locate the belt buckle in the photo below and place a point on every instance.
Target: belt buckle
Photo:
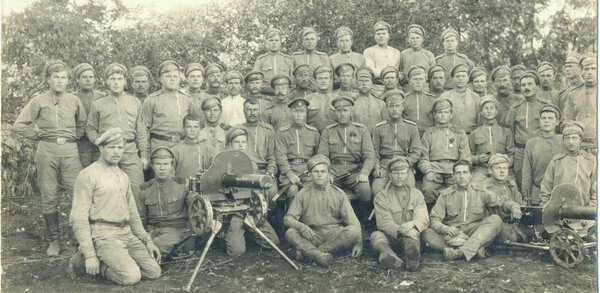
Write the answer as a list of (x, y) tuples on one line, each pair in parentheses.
[(61, 140), (175, 138)]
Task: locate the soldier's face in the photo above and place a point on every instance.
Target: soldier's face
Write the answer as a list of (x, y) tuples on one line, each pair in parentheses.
[(480, 84), (299, 115), (195, 79), (528, 87), (399, 177), (438, 79), (251, 112), (191, 129), (343, 114), (395, 109), (589, 74), (382, 37), (323, 81), (281, 91), (417, 82), (213, 114), (170, 80), (344, 44), (500, 171), (274, 43), (450, 44), (390, 81), (489, 111), (112, 153), (303, 79), (162, 167), (547, 79), (548, 121), (254, 86), (116, 83), (346, 78), (320, 175), (364, 84), (214, 80), (309, 42), (572, 70), (140, 85), (461, 79), (572, 142), (58, 81), (462, 176), (234, 86), (516, 83), (239, 142), (443, 116), (503, 85), (87, 80), (415, 40)]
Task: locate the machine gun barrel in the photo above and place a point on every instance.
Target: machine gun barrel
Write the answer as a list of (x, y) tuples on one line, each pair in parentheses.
[(247, 181), (578, 212)]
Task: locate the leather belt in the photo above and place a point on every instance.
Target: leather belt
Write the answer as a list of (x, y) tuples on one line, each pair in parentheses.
[(298, 161), (519, 145), (389, 157), (344, 162), (444, 161), (172, 138), (60, 140), (111, 224), (130, 141)]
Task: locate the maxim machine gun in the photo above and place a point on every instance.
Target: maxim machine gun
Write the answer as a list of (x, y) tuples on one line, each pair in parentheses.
[(566, 222), (230, 186)]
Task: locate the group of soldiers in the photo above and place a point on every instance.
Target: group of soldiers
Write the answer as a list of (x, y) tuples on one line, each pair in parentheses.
[(372, 127)]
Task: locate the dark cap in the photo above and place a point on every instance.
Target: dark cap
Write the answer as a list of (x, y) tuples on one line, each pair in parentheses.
[(301, 68), (344, 67), (299, 102)]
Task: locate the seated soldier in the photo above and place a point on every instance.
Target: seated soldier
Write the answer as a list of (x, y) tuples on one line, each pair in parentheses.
[(279, 114), (163, 205), (321, 220), (344, 74), (213, 132), (190, 155), (401, 216), (443, 145), (461, 225), (235, 240)]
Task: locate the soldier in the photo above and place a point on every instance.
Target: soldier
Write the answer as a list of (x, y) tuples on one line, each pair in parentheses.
[(56, 119), (140, 79), (465, 232), (320, 220), (106, 223), (464, 101), (416, 54), (163, 206), (261, 144), (381, 55), (214, 79), (547, 71), (119, 109), (194, 74), (573, 74), (451, 58), (191, 156), (489, 139), (309, 54), (572, 167), (523, 118), (85, 78), (478, 80), (233, 104), (254, 84), (294, 145), (418, 104), (436, 77), (538, 153), (274, 62), (213, 132), (350, 147), (515, 77), (401, 217), (302, 79), (320, 112), (368, 110), (163, 111), (391, 79), (279, 113), (504, 96), (443, 145), (344, 74), (581, 103), (343, 35), (393, 138)]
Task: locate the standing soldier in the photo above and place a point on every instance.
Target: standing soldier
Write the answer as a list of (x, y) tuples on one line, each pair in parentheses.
[(443, 145), (320, 111), (343, 35), (273, 62), (505, 98), (515, 77), (581, 103), (254, 84), (140, 79), (393, 138), (309, 54), (416, 55), (390, 77), (368, 110), (302, 79), (418, 104), (547, 72), (56, 119), (523, 118), (85, 78), (213, 131), (344, 74), (451, 58), (190, 156), (478, 80), (436, 76), (381, 55), (279, 113), (233, 104), (350, 147), (194, 74), (163, 111), (214, 79), (573, 75), (464, 101), (119, 109)]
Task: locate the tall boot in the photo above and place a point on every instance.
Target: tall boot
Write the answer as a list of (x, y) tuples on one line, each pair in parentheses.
[(76, 266), (53, 234), (307, 249), (364, 211), (387, 257), (341, 240)]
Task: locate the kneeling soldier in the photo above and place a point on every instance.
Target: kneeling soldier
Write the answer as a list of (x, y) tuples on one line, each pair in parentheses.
[(401, 216)]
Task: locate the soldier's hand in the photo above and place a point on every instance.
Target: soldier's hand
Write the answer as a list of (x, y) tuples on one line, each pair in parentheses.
[(294, 179), (362, 178), (484, 158), (516, 213), (405, 228), (378, 172), (413, 233), (452, 231), (153, 250), (309, 234), (92, 265), (430, 176), (357, 250), (144, 163)]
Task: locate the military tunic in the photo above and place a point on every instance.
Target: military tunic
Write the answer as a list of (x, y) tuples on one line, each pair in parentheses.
[(264, 104), (553, 96), (538, 153), (579, 170), (449, 61), (88, 152), (410, 58), (369, 111), (465, 108), (320, 111), (418, 108), (503, 105), (356, 59), (192, 157), (300, 93), (396, 206), (580, 105), (280, 114), (214, 136), (312, 59), (271, 64), (489, 138)]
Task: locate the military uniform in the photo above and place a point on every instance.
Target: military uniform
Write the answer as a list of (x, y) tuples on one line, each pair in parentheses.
[(214, 136), (88, 151), (320, 111), (369, 111), (449, 61), (264, 104), (300, 93), (312, 59), (192, 157), (465, 106), (356, 59), (580, 105), (538, 153), (577, 169), (271, 64), (489, 138), (410, 58), (279, 114), (418, 108), (261, 150), (503, 105)]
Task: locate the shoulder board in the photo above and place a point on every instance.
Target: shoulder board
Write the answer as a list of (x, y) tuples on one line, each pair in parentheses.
[(511, 183), (577, 87), (428, 94), (183, 93), (447, 191), (297, 53), (286, 55), (338, 189), (320, 53), (488, 182), (409, 122), (358, 124), (384, 122), (478, 187), (262, 56), (462, 55), (224, 126), (518, 103), (147, 184), (456, 128), (589, 156), (180, 180), (265, 125), (154, 94), (440, 56), (311, 127), (559, 156), (284, 128), (331, 126)]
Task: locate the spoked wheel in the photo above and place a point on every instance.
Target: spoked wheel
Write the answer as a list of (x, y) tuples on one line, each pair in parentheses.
[(566, 248), (201, 215), (258, 208)]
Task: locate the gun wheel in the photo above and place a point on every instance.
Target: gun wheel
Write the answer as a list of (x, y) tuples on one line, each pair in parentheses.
[(258, 208), (566, 248), (201, 215)]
